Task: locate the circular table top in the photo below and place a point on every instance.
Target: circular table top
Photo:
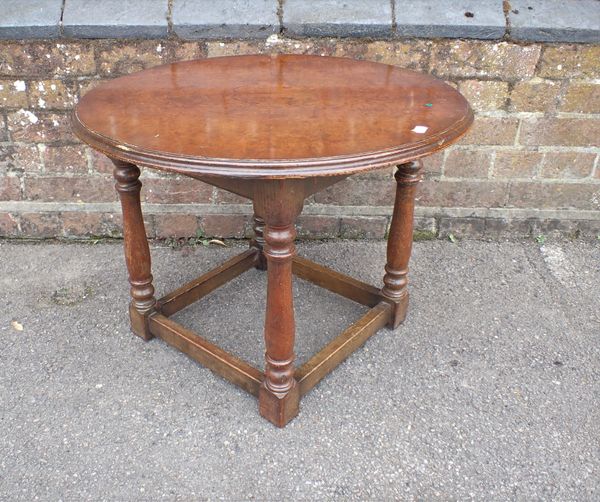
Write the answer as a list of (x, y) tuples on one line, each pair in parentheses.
[(272, 116)]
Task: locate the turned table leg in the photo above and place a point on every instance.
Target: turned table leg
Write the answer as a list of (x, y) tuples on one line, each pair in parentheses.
[(400, 239), (279, 203), (258, 241), (137, 252), (279, 395)]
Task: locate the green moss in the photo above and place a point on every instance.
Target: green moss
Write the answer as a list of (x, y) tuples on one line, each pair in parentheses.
[(424, 235)]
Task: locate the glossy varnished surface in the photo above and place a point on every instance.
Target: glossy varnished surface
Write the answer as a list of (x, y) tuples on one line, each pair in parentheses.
[(272, 116)]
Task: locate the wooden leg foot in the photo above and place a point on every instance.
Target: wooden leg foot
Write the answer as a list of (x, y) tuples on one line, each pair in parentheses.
[(139, 324), (399, 310), (279, 409)]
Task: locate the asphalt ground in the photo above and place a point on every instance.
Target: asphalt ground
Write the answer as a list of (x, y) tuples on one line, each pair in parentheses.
[(489, 391)]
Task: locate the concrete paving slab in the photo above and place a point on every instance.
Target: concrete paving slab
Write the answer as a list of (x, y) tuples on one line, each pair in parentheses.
[(115, 19), (338, 19), (489, 391), (555, 20), (232, 19), (450, 19), (30, 19)]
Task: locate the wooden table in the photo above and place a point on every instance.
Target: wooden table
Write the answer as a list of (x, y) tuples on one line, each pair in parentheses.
[(273, 129)]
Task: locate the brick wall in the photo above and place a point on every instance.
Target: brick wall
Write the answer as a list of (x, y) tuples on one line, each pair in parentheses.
[(530, 164)]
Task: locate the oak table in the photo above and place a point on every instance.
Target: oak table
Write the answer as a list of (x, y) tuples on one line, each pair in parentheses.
[(274, 129)]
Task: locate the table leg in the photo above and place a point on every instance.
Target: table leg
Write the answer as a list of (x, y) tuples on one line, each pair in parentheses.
[(279, 203), (258, 241), (137, 252), (399, 243)]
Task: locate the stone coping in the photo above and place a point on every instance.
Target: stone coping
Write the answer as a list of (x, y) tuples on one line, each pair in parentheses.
[(519, 20)]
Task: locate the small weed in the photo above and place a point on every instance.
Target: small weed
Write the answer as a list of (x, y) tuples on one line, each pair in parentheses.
[(198, 240), (540, 239), (71, 295), (173, 243), (452, 238), (201, 239), (95, 239)]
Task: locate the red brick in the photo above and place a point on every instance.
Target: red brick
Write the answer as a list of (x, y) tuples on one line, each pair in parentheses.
[(568, 164), (560, 131), (382, 173), (424, 228), (484, 95), (41, 225), (10, 188), (464, 193), (101, 163), (311, 226), (583, 98), (433, 164), (122, 57), (225, 197), (70, 189), (517, 164), (467, 164), (317, 46), (65, 159), (491, 131), (20, 158), (574, 229), (52, 94), (465, 59), (87, 224), (225, 225), (570, 61), (359, 192), (503, 228), (461, 227), (40, 127), (175, 225), (502, 60), (9, 225), (234, 48), (175, 191), (407, 54), (177, 50), (555, 195), (363, 227), (534, 96), (85, 86), (357, 49), (31, 58), (13, 94)]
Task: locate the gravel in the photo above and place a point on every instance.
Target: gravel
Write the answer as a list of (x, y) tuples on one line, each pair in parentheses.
[(489, 391)]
